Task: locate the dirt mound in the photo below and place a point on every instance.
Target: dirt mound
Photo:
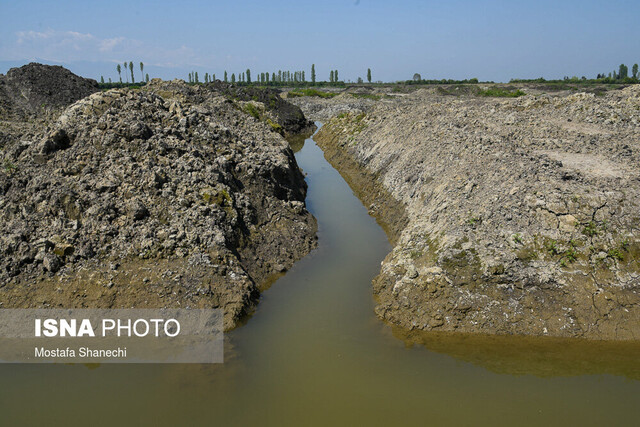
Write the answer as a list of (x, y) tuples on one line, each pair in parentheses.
[(34, 87), (522, 213), (168, 195), (283, 114)]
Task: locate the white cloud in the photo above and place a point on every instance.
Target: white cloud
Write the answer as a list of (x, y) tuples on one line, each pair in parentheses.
[(108, 45), (69, 46)]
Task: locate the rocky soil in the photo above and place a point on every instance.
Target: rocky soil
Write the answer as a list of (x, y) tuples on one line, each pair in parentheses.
[(350, 100), (35, 89), (510, 215), (166, 196)]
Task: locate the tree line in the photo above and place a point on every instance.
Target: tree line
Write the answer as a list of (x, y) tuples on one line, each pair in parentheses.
[(275, 78), (622, 74), (144, 78)]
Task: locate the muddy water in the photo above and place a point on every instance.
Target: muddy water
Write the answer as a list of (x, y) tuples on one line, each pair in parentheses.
[(314, 354)]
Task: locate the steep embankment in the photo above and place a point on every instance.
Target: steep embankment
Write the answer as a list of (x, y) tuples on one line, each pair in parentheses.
[(523, 214), (171, 195)]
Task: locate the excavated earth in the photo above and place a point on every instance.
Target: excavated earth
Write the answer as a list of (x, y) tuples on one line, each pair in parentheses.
[(508, 215), (167, 196)]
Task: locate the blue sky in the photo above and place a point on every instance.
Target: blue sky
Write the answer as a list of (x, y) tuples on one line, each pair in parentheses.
[(492, 40)]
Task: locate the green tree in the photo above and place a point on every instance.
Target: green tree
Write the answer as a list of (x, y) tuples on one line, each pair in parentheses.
[(331, 76), (125, 70), (335, 75), (197, 77), (109, 79), (225, 76), (141, 68), (313, 73), (233, 77), (248, 76), (634, 71), (623, 72), (214, 77), (146, 77), (369, 75), (119, 70), (102, 79), (131, 69)]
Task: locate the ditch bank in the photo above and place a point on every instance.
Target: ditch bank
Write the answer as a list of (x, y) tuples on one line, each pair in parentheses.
[(520, 216)]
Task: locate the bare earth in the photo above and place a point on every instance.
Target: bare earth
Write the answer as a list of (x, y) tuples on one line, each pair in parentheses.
[(513, 215)]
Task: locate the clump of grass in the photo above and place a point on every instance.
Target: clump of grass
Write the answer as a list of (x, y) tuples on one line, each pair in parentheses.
[(473, 221), (517, 238), (497, 92), (552, 247), (615, 254), (625, 245), (9, 167), (252, 111), (275, 126), (311, 92), (571, 254), (591, 229)]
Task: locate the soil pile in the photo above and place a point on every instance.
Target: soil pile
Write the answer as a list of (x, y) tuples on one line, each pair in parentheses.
[(516, 216), (36, 88), (170, 195)]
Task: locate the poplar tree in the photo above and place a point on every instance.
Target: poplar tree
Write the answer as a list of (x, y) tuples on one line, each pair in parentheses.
[(313, 73), (335, 75), (634, 71), (623, 72), (119, 70), (369, 74), (248, 76), (125, 71), (141, 68), (233, 77), (197, 77), (147, 78), (131, 69), (331, 76), (102, 79), (225, 77)]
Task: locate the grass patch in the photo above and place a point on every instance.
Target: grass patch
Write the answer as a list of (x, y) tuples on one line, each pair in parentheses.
[(252, 111), (311, 92)]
